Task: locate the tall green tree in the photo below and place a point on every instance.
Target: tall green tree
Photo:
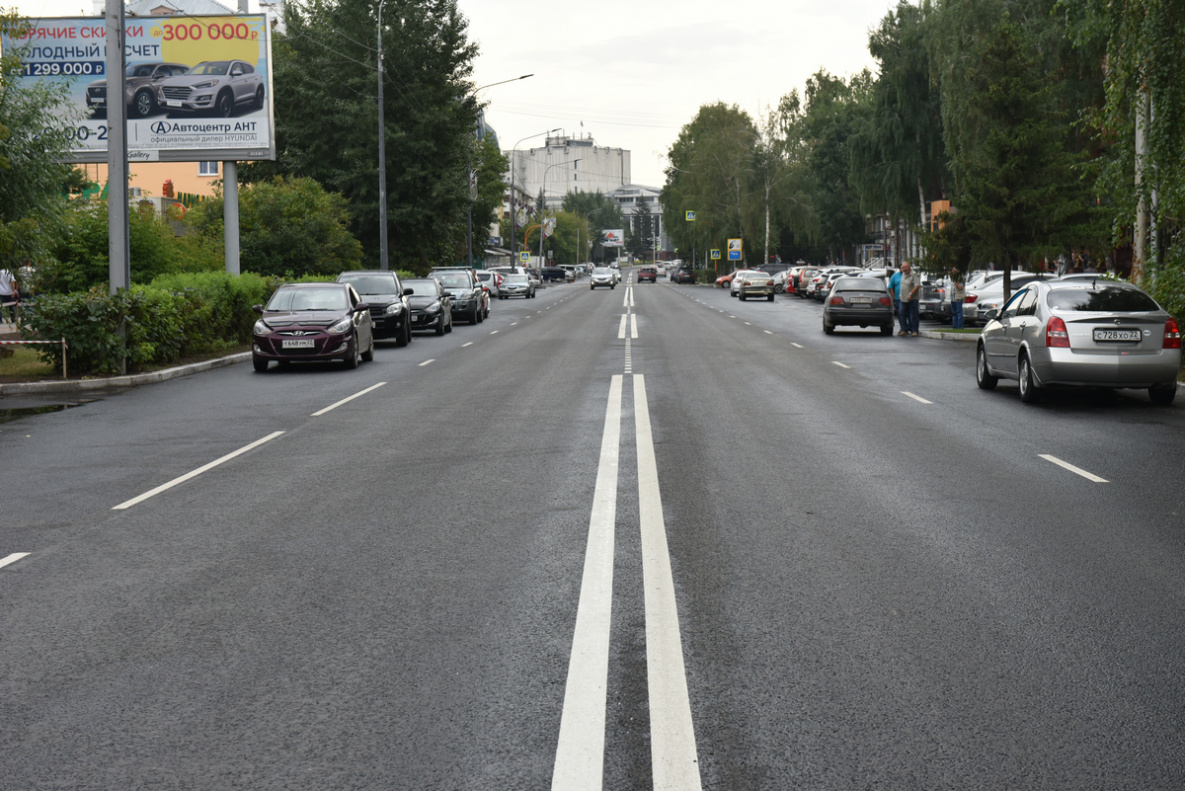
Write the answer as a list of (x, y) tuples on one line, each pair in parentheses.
[(490, 164), (598, 212), (326, 117), (640, 236)]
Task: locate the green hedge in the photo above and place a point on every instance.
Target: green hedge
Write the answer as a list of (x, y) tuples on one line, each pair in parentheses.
[(175, 316)]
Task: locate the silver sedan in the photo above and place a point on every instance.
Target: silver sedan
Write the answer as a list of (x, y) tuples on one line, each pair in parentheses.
[(1102, 334)]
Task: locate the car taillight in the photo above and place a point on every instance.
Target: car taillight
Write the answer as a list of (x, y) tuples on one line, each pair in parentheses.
[(1172, 335), (1056, 335), (770, 283), (885, 301), (836, 301), (970, 298)]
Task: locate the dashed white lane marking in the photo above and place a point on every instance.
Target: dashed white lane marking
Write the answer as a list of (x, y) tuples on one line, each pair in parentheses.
[(748, 324), (634, 326), (625, 301), (428, 362), (621, 327), (13, 558), (674, 762), (205, 468), (348, 400), (915, 397), (1076, 470), (580, 753), (463, 345), (767, 332), (495, 332), (796, 345), (514, 324), (841, 365)]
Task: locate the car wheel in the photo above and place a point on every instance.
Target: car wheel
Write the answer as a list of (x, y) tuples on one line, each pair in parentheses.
[(779, 288), (368, 355), (440, 326), (591, 287), (1024, 371), (611, 287), (450, 324), (475, 316), (143, 104), (225, 104), (983, 377), (770, 298), (1163, 395), (404, 337), (259, 363), (354, 356), (259, 98), (828, 328), (742, 297)]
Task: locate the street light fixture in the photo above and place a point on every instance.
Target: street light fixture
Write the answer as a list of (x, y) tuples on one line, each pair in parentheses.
[(542, 208), (513, 214), (471, 176)]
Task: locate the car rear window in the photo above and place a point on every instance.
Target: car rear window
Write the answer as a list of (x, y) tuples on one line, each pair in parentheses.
[(1101, 299), (859, 284)]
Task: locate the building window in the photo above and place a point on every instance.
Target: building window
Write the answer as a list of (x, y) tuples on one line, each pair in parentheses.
[(207, 168)]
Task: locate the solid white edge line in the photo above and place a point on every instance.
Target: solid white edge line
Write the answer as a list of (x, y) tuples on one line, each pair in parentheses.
[(580, 751), (634, 326), (915, 397), (841, 365), (621, 327), (674, 761), (13, 558), (1076, 470), (429, 361), (348, 400), (195, 473)]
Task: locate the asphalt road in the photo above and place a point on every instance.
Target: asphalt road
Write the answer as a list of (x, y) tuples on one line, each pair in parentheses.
[(703, 545)]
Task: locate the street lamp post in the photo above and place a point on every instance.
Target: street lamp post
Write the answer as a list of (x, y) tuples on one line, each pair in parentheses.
[(382, 155), (472, 177), (513, 214), (542, 225)]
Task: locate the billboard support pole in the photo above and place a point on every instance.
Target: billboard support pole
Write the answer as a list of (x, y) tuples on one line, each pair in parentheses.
[(119, 265), (230, 202)]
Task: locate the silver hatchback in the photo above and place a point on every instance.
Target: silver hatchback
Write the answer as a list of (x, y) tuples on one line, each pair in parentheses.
[(1095, 334)]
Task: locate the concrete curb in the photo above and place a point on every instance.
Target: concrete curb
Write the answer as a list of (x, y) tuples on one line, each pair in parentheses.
[(956, 337), (134, 380)]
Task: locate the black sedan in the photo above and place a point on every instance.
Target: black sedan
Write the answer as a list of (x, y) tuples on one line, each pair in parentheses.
[(312, 321), (858, 301), (388, 309), (431, 305)]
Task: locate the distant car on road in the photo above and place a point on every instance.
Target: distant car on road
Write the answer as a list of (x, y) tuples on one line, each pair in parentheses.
[(683, 274), (517, 286), (602, 276), (431, 306), (554, 274), (648, 273), (469, 298), (754, 284), (388, 309), (858, 302)]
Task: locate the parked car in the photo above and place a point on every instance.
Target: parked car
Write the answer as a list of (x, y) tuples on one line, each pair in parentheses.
[(991, 296), (312, 321), (142, 84), (214, 86), (517, 286), (1101, 334), (780, 281), (490, 281), (735, 282), (554, 274), (860, 302), (755, 284), (648, 273), (430, 305), (930, 300), (725, 281), (389, 311), (683, 274), (467, 294), (602, 276)]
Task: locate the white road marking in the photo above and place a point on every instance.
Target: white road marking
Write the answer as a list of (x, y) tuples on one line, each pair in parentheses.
[(1076, 470), (514, 324), (634, 326), (748, 324), (767, 332), (13, 558), (463, 345), (621, 328), (796, 345), (495, 332), (915, 397), (841, 365), (430, 361), (580, 753), (348, 400), (195, 473), (674, 762), (625, 301)]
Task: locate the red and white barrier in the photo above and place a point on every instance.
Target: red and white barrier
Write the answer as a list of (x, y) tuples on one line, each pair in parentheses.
[(39, 343)]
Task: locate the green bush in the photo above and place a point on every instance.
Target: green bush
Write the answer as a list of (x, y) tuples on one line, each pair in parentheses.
[(215, 308)]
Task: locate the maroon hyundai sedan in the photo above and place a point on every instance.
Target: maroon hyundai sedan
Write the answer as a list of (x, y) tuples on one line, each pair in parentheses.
[(313, 321)]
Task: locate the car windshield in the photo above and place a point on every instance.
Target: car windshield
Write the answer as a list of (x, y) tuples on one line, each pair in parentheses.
[(601, 270), (453, 280), (372, 284), (308, 299), (211, 67), (143, 70), (423, 288), (1102, 299)]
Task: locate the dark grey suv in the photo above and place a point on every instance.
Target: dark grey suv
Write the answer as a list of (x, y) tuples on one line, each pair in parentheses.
[(141, 88), (389, 309)]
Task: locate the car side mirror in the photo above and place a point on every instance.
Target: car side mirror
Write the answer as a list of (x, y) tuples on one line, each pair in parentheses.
[(992, 313), (407, 292), (257, 308), (361, 307)]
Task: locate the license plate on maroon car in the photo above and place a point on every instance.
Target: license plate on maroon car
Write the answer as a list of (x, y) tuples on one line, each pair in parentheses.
[(1116, 335), (297, 343)]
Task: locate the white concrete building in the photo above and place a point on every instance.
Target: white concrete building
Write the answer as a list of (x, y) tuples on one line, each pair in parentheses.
[(565, 164), (629, 197)]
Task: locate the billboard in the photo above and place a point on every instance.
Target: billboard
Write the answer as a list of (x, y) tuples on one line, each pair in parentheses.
[(614, 238), (199, 88)]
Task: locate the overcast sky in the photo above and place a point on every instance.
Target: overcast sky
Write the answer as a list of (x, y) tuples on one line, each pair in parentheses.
[(635, 71)]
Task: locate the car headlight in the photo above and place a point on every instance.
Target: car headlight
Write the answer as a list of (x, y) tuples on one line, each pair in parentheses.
[(393, 309), (207, 84), (342, 326), (261, 328), (434, 308)]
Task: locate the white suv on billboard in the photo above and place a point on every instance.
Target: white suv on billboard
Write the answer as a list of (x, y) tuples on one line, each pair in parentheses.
[(214, 86)]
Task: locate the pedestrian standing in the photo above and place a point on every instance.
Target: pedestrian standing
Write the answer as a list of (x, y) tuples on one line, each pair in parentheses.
[(958, 294), (895, 287), (911, 292), (9, 294)]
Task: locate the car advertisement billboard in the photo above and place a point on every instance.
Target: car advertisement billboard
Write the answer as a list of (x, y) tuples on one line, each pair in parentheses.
[(199, 88), (613, 238)]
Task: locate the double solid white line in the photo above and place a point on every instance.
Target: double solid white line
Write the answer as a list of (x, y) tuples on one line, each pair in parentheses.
[(632, 319), (580, 753)]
